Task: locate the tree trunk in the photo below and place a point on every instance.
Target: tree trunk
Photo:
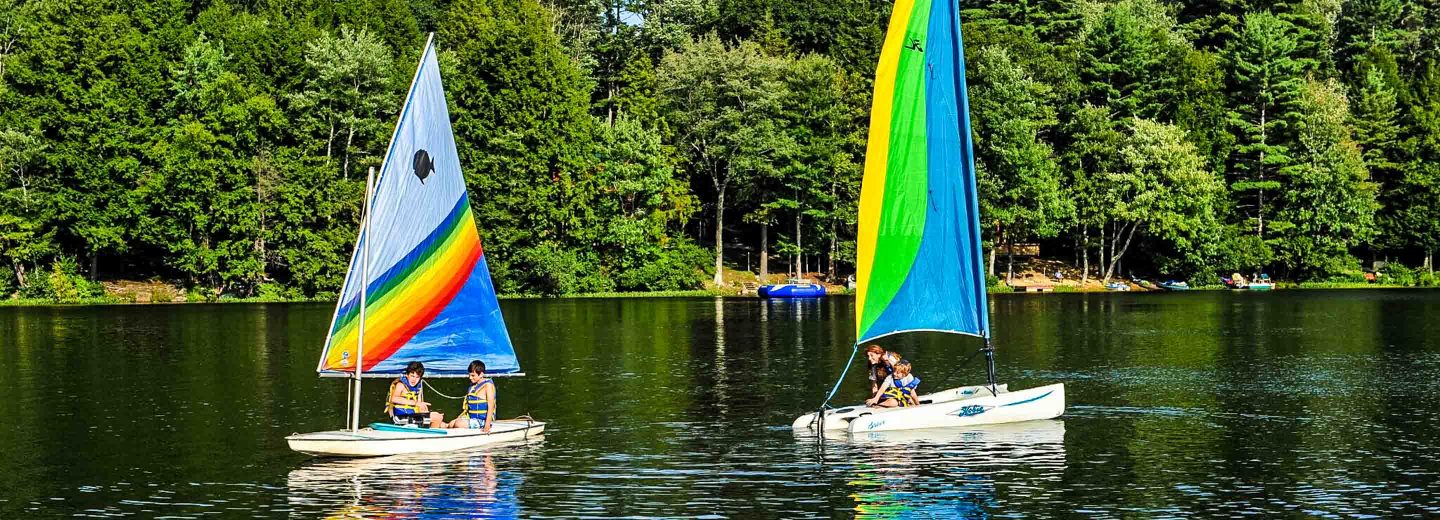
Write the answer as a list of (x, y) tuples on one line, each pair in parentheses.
[(764, 251), (1084, 254), (1116, 256), (94, 263), (349, 139), (1009, 258), (990, 268), (1100, 251), (1260, 200), (830, 258), (799, 251), (330, 143), (1430, 261), (720, 237)]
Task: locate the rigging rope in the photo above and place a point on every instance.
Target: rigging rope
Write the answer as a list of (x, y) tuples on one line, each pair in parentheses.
[(836, 388), (957, 368), (437, 392)]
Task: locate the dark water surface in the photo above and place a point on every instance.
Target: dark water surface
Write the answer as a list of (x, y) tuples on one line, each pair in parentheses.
[(1214, 404)]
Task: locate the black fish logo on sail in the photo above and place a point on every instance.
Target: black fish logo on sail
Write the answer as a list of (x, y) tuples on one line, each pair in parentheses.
[(423, 165)]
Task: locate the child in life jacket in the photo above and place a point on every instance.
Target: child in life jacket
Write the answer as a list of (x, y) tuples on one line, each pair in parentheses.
[(899, 389), (479, 411), (406, 403)]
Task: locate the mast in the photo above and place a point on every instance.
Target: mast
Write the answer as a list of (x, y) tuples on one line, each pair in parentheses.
[(364, 271)]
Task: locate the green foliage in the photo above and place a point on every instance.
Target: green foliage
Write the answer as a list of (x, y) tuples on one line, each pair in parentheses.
[(224, 144), (1164, 189), (1329, 206), (1124, 53), (1395, 273), (559, 270), (1265, 80), (723, 103), (1018, 173), (61, 283), (521, 121), (677, 267)]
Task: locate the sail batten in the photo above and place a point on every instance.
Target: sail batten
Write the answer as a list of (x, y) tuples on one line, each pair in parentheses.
[(919, 260), (429, 293)]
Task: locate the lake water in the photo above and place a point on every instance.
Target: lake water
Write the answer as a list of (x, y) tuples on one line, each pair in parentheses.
[(1304, 403)]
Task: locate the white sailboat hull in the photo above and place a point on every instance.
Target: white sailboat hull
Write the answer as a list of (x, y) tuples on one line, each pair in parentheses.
[(1046, 402), (368, 442), (840, 418)]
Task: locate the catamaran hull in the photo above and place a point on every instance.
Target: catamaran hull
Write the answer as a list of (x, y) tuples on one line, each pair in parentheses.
[(377, 443), (839, 419), (1046, 402)]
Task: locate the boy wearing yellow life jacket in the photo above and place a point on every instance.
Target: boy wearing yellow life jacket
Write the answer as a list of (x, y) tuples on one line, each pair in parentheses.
[(900, 389), (479, 411), (406, 404)]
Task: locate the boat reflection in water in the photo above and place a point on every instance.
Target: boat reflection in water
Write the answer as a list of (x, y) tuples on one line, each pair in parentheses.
[(952, 472), (462, 484)]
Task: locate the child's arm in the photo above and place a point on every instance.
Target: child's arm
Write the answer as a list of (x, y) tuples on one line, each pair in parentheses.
[(883, 387), (395, 397), (490, 398)]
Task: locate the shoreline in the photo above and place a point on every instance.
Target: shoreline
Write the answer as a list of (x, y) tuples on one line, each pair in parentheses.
[(697, 293)]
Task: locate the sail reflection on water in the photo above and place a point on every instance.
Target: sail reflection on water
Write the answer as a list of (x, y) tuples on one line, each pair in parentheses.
[(439, 485), (950, 472)]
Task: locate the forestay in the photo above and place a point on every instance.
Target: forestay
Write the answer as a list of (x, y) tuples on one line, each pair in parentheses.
[(430, 297), (920, 266)]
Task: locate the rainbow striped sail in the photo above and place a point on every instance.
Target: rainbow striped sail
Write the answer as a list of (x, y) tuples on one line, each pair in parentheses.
[(919, 263), (428, 292)]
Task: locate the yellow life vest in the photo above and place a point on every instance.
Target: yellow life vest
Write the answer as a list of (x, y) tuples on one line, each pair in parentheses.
[(412, 393), (476, 405), (905, 394)]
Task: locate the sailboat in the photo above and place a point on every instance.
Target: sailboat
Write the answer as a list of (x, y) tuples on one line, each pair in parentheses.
[(417, 289), (919, 262)]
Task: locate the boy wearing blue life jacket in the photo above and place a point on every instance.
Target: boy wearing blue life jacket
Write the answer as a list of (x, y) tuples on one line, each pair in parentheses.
[(406, 404), (479, 411), (899, 389)]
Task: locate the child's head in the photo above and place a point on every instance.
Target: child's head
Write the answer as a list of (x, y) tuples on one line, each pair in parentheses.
[(416, 369), (477, 370), (902, 368), (891, 358)]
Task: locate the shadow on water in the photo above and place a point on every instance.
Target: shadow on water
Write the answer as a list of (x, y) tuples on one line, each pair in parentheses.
[(466, 484)]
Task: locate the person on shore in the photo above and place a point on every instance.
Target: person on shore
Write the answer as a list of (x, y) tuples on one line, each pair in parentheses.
[(479, 411), (406, 404), (899, 389), (876, 367)]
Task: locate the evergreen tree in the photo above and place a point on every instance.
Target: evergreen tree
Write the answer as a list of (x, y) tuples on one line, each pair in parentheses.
[(1376, 123), (522, 125), (1019, 177), (1415, 200), (1329, 204), (1124, 57), (1266, 78)]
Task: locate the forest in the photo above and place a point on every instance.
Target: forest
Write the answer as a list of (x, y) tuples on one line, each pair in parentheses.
[(647, 145)]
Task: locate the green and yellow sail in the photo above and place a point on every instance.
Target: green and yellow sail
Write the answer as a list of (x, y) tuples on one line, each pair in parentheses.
[(919, 261)]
